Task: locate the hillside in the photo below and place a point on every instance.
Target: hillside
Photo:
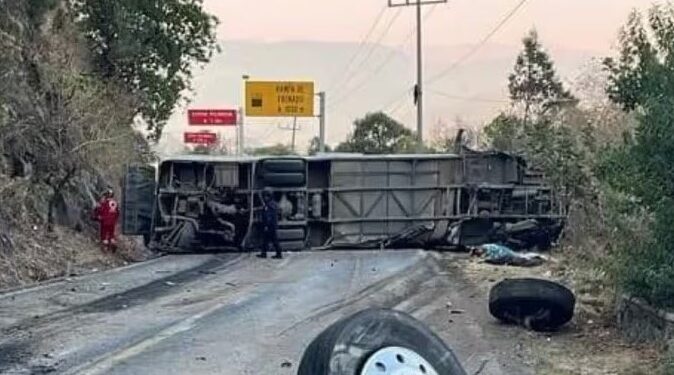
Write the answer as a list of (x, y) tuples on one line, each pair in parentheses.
[(69, 109)]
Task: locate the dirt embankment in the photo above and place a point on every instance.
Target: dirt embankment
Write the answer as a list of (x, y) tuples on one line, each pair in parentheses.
[(32, 255), (589, 345)]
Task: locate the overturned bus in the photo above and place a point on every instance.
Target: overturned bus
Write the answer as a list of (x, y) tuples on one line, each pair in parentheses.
[(352, 201)]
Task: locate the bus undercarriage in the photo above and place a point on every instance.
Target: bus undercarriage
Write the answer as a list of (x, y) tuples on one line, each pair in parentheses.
[(204, 203)]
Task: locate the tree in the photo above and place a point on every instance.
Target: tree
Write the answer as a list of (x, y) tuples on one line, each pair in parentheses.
[(537, 96), (377, 133), (641, 80), (534, 86), (642, 72), (505, 133), (546, 125), (63, 122), (278, 149), (150, 46), (314, 146)]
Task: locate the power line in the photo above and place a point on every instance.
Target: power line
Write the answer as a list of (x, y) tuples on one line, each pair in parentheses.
[(481, 44), (467, 98), (386, 61), (373, 47), (397, 108), (362, 43), (398, 99)]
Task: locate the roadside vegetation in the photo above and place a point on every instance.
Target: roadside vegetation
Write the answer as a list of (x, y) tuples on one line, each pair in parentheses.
[(84, 89), (610, 155), (608, 147)]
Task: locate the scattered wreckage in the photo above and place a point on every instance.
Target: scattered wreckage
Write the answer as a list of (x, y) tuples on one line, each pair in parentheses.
[(211, 203)]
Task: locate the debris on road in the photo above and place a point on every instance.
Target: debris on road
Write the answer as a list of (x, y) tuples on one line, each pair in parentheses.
[(503, 255), (170, 283), (286, 364), (539, 305)]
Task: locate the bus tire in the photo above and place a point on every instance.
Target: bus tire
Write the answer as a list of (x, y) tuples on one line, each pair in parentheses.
[(348, 345), (284, 179), (284, 165), (541, 305)]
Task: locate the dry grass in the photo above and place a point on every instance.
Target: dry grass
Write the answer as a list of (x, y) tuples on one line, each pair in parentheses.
[(37, 256), (590, 345)]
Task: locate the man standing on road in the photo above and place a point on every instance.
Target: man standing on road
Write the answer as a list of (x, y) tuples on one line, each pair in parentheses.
[(107, 214), (270, 225)]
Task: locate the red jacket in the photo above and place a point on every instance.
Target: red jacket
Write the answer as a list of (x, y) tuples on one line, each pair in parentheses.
[(107, 211)]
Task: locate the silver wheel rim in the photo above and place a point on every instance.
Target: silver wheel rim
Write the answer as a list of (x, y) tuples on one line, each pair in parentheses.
[(394, 360)]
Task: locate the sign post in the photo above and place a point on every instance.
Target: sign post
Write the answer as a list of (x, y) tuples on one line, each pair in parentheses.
[(321, 130), (239, 134)]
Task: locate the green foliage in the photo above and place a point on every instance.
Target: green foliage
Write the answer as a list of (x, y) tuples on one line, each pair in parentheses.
[(150, 46), (643, 167), (534, 85), (278, 149), (377, 133), (66, 130), (314, 146), (505, 132), (642, 72), (37, 8), (547, 130)]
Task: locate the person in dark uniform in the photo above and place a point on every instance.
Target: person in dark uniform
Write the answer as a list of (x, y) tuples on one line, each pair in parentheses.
[(270, 225)]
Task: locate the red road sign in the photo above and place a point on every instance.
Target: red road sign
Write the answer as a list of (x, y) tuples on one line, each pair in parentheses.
[(201, 138), (217, 117)]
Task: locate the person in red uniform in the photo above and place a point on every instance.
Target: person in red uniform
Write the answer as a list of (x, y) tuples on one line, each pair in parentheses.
[(107, 213)]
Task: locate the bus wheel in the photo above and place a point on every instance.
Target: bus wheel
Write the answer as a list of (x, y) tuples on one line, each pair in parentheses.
[(379, 341)]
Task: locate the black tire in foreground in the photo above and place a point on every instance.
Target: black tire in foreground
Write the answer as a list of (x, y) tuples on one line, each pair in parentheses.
[(540, 305), (345, 347)]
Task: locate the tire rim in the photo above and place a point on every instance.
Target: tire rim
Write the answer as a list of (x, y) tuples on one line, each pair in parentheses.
[(394, 360)]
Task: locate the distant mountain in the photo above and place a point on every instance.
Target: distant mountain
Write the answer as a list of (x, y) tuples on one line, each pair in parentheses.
[(474, 91)]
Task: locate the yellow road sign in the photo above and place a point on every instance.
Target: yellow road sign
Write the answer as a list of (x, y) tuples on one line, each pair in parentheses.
[(279, 99)]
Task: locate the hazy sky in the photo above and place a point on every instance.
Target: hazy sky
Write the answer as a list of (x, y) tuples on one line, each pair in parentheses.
[(578, 24), (253, 33)]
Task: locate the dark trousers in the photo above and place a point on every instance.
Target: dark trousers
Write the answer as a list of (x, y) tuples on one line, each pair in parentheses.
[(270, 238)]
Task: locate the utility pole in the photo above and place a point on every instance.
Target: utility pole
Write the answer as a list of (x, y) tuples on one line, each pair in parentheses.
[(418, 88), (321, 131), (292, 147), (294, 128), (241, 149), (239, 132)]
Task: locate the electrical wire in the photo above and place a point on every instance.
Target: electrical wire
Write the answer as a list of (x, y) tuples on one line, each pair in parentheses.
[(380, 67), (481, 44), (362, 44), (373, 47), (466, 98)]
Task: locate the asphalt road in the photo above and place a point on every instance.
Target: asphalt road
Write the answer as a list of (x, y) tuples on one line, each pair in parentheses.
[(233, 314)]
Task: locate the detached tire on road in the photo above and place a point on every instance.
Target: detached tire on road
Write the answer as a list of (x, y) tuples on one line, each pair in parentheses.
[(541, 305), (355, 344)]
